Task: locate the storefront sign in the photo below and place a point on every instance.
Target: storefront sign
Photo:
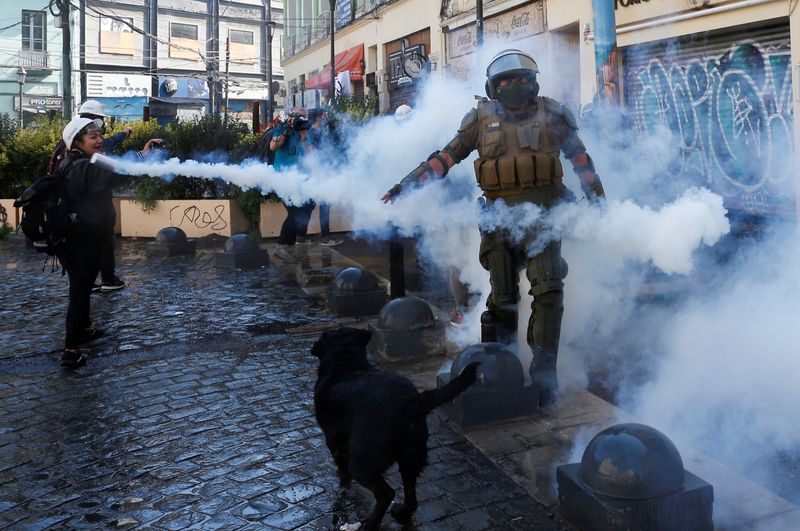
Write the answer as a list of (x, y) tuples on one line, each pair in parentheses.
[(182, 87), (509, 26), (627, 3), (407, 65), (102, 85), (344, 13), (39, 103)]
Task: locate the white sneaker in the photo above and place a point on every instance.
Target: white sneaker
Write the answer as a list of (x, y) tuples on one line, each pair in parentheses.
[(330, 242), (284, 254)]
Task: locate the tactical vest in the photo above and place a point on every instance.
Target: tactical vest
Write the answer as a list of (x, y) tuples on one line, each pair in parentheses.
[(516, 157)]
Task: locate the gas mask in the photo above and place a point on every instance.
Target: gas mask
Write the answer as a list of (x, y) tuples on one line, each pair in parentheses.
[(517, 94)]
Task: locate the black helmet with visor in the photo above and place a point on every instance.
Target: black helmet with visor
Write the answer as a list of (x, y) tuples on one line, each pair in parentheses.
[(506, 64)]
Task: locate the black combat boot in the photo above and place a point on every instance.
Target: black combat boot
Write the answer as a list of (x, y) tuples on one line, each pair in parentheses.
[(488, 327)]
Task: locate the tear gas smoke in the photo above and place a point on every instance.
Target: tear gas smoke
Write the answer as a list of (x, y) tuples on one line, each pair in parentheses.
[(710, 370)]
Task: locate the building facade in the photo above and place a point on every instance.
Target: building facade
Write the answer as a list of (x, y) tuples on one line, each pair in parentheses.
[(180, 58), (30, 60), (717, 75), (384, 48)]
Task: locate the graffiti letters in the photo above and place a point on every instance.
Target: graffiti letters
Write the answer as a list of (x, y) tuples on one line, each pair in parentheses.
[(202, 219), (3, 216), (730, 117)]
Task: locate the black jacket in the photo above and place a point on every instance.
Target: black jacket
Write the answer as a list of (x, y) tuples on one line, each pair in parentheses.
[(89, 188)]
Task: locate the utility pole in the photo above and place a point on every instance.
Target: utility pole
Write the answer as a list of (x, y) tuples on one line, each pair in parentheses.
[(227, 75), (478, 26), (333, 53), (479, 33), (66, 58), (213, 60), (270, 31)]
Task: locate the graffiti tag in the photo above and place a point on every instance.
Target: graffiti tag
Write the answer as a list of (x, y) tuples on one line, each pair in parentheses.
[(730, 115), (202, 219)]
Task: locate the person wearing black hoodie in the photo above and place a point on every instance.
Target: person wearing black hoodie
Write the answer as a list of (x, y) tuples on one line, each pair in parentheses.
[(88, 191)]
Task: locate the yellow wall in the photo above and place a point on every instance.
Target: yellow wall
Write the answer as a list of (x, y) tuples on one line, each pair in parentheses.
[(273, 214), (11, 212), (196, 217)]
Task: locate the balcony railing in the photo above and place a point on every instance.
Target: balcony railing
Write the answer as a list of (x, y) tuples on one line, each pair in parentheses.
[(34, 60)]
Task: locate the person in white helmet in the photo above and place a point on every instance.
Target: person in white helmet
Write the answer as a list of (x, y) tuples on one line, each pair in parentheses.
[(403, 112), (93, 110), (88, 192)]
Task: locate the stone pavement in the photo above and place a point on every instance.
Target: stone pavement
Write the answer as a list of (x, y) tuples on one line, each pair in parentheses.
[(195, 411)]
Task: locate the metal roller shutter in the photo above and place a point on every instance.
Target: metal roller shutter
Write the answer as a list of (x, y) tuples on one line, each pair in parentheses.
[(726, 99)]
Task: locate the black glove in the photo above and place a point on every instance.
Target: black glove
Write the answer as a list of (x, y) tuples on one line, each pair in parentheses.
[(394, 191), (594, 192)]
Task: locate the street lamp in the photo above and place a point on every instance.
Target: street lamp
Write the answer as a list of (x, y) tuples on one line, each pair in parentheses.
[(270, 24), (333, 54), (21, 74)]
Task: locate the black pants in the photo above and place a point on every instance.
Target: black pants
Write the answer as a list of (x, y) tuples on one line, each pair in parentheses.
[(296, 223), (81, 260), (107, 264), (324, 220)]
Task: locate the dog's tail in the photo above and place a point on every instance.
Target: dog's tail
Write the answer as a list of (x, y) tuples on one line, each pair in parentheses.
[(442, 395)]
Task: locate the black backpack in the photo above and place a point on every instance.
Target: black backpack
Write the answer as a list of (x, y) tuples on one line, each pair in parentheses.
[(262, 148), (46, 215)]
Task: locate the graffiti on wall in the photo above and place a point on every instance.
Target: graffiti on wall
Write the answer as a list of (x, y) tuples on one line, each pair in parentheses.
[(192, 215), (730, 116)]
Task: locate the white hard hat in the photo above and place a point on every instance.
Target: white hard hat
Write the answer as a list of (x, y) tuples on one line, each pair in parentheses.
[(403, 112), (92, 107), (74, 127)]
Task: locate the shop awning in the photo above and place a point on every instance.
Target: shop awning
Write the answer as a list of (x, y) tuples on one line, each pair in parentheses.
[(351, 60)]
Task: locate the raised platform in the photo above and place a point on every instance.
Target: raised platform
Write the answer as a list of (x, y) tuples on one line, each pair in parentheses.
[(529, 449)]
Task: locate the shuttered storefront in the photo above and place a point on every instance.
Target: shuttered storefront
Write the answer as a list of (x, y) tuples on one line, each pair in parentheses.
[(726, 99)]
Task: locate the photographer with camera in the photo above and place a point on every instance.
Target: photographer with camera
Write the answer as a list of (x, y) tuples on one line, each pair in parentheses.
[(289, 144)]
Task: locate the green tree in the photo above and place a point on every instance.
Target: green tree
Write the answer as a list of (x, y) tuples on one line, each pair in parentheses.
[(25, 155)]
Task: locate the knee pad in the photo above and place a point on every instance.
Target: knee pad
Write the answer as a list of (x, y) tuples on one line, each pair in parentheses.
[(547, 270), (503, 276)]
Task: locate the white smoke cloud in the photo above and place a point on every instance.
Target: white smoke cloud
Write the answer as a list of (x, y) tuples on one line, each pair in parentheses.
[(716, 370)]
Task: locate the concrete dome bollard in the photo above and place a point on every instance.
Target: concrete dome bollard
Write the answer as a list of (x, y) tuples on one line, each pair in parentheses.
[(172, 241), (406, 328), (242, 251), (631, 476), (354, 292), (500, 392)]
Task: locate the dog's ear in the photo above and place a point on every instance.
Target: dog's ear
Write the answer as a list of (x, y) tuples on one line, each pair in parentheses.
[(318, 349), (361, 336)]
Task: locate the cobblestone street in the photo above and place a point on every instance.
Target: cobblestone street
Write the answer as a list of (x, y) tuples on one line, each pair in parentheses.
[(196, 410)]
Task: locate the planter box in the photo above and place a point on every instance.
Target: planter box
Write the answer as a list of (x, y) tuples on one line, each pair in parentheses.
[(9, 213), (196, 217), (272, 216), (118, 223)]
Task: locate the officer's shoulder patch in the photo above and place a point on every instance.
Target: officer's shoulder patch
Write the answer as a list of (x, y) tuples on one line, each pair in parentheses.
[(569, 117), (552, 106), (485, 109), (470, 119)]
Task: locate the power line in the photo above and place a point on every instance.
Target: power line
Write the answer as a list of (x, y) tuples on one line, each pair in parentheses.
[(138, 30), (42, 10)]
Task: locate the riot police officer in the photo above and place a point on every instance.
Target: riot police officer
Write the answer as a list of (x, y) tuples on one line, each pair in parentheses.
[(518, 135)]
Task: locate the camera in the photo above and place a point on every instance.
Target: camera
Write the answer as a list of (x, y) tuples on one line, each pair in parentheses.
[(299, 122)]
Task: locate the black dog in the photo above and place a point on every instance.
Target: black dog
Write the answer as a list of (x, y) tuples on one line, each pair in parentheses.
[(373, 418)]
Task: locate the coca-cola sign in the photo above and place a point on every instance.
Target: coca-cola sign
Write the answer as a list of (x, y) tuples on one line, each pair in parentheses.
[(509, 26)]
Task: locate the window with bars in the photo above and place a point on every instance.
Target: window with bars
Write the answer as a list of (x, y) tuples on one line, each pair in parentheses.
[(34, 34)]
